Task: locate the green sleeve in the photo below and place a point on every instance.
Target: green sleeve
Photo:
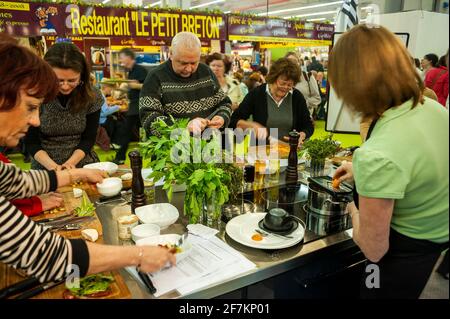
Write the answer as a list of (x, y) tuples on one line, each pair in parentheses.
[(378, 176)]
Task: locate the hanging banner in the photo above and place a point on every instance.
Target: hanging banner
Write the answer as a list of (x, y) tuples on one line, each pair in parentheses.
[(259, 29), (34, 19)]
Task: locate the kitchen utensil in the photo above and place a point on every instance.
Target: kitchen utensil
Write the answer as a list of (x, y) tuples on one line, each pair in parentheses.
[(182, 239), (54, 219), (324, 199), (37, 290), (278, 220), (147, 281), (72, 226), (19, 287), (81, 219), (265, 234)]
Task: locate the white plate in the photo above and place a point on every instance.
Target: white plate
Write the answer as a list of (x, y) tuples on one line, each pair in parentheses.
[(241, 229), (167, 239)]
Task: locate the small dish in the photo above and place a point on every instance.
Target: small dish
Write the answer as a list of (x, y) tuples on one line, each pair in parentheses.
[(110, 186), (161, 214), (144, 230)]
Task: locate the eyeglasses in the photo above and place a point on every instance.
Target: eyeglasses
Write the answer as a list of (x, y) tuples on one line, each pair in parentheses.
[(71, 83), (287, 84)]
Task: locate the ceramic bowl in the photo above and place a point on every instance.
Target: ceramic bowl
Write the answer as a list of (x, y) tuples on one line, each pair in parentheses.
[(108, 167), (161, 214), (110, 186)]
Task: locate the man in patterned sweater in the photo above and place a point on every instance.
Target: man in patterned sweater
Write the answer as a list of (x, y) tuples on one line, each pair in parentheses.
[(184, 88)]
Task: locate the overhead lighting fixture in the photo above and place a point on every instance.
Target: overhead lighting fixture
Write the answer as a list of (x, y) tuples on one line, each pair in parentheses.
[(105, 1), (207, 4), (157, 3), (316, 19), (301, 8), (227, 12), (315, 14)]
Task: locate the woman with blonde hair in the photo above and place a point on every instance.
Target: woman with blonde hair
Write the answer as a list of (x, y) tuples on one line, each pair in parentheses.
[(400, 219)]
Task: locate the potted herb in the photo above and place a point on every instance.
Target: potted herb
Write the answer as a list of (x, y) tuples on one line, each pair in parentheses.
[(206, 183), (317, 150)]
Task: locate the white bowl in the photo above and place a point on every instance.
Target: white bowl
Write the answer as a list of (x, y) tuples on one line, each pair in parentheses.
[(161, 214), (144, 230), (110, 186), (171, 239), (108, 167)]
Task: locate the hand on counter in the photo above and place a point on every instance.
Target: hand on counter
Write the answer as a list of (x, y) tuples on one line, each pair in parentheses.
[(51, 200), (153, 258)]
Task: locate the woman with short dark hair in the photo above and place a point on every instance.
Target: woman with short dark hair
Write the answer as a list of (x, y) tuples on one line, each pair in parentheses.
[(277, 104), (69, 123)]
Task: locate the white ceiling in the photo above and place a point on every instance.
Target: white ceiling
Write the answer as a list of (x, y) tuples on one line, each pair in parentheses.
[(326, 10)]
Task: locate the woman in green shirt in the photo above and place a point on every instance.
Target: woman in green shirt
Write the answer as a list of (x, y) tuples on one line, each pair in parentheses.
[(401, 171)]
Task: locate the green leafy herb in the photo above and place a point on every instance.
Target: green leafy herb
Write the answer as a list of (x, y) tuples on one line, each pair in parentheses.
[(92, 284), (319, 149), (86, 208), (204, 181)]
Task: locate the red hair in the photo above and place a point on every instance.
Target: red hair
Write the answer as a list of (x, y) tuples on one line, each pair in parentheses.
[(21, 69)]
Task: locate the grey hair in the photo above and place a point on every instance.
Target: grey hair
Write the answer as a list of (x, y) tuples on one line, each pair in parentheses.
[(185, 40)]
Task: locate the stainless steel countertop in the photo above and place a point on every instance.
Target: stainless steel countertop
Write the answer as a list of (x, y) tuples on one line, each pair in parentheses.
[(269, 263)]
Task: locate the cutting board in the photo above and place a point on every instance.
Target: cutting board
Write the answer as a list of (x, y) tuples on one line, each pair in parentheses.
[(70, 203)]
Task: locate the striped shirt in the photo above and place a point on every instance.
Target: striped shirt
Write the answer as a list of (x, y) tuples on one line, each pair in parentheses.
[(26, 245), (165, 93)]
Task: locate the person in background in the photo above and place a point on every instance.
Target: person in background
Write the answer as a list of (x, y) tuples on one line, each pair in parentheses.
[(315, 65), (239, 76), (106, 129), (262, 70), (69, 123), (24, 244), (184, 88), (137, 74), (428, 62), (307, 85), (276, 104), (231, 87), (401, 223), (437, 80), (253, 81), (418, 67)]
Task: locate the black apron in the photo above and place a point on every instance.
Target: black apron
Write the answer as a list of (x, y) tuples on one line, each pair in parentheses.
[(406, 267)]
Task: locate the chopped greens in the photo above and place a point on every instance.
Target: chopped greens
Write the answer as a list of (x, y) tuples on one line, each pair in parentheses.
[(86, 208), (92, 284)]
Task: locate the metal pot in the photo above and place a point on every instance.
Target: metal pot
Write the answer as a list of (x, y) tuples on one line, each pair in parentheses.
[(324, 200), (326, 224)]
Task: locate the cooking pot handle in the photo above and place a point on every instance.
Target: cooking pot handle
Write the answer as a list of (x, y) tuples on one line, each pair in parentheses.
[(330, 201), (298, 220)]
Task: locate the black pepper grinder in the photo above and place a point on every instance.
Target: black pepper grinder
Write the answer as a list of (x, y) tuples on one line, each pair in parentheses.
[(291, 170), (138, 197)]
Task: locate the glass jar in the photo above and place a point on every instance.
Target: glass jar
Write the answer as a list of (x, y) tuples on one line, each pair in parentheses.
[(149, 191), (124, 225)]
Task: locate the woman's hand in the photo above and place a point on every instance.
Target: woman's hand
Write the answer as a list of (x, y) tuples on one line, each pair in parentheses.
[(51, 200), (68, 165), (301, 139), (344, 172), (155, 258)]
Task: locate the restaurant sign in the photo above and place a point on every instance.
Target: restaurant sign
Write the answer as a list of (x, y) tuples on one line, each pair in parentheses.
[(31, 19), (244, 28)]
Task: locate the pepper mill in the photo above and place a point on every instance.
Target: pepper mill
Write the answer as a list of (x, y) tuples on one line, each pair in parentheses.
[(138, 197), (291, 170)]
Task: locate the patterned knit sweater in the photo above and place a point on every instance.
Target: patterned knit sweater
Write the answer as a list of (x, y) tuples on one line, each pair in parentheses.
[(165, 93)]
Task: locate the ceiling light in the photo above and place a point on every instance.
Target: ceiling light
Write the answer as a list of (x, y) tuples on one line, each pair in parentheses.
[(105, 1), (207, 4), (315, 14), (157, 3), (316, 19), (302, 8)]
